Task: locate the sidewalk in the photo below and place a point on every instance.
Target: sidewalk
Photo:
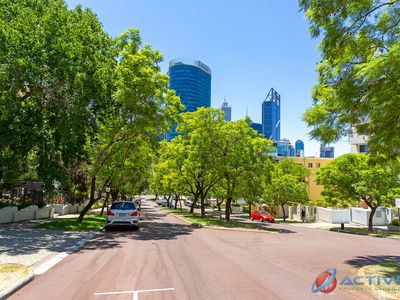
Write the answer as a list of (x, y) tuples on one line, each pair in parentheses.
[(23, 244)]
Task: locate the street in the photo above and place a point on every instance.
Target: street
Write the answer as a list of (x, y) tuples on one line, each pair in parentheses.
[(169, 259)]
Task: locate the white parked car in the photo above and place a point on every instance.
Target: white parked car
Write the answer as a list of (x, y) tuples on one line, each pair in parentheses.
[(123, 213)]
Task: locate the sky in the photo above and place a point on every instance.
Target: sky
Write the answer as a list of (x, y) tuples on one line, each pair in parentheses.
[(250, 46)]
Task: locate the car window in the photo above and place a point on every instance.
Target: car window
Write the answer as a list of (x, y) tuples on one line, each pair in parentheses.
[(123, 206)]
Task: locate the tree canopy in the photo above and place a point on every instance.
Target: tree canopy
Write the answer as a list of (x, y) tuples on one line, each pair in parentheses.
[(354, 177), (359, 71), (287, 185)]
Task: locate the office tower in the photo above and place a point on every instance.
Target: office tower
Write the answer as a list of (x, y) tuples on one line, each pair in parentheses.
[(191, 80), (327, 151), (257, 127), (227, 111), (271, 116), (299, 146), (284, 148)]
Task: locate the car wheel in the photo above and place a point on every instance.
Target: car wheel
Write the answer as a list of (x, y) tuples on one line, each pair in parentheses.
[(261, 219), (252, 219), (137, 227), (107, 228)]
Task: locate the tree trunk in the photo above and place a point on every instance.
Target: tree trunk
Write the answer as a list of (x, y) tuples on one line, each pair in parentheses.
[(176, 200), (371, 218), (284, 213), (168, 200), (104, 204), (196, 198), (219, 204), (92, 200), (228, 208), (202, 206), (114, 195)]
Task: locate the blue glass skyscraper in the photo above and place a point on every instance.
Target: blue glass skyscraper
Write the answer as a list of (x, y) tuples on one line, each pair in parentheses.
[(191, 80), (227, 111), (327, 151), (299, 145), (257, 127), (271, 116)]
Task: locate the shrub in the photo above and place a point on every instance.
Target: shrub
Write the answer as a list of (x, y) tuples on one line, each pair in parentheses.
[(395, 222)]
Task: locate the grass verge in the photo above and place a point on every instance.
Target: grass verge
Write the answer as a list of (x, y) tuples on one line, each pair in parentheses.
[(88, 223), (387, 269), (10, 273), (196, 219), (364, 231)]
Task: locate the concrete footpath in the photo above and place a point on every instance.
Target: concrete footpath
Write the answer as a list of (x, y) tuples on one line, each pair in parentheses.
[(38, 249)]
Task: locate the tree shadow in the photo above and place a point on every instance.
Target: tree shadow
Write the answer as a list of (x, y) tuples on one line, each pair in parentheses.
[(26, 241), (361, 261)]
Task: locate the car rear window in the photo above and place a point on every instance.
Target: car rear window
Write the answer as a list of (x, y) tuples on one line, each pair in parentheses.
[(123, 206)]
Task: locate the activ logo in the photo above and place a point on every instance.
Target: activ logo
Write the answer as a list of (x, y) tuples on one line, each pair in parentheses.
[(325, 282)]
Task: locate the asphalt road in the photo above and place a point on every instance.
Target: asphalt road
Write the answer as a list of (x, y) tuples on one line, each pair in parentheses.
[(168, 259)]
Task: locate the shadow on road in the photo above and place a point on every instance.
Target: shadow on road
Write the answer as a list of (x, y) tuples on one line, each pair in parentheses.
[(361, 261), (149, 231)]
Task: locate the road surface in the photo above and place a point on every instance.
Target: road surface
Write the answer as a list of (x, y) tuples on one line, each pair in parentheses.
[(169, 259)]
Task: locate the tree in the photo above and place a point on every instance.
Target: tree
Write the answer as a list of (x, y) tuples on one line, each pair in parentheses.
[(242, 156), (167, 177), (143, 108), (359, 71), (199, 132), (354, 177), (287, 185), (56, 66)]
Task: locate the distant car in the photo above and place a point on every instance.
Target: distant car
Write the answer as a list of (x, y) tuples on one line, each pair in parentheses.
[(122, 213), (262, 216), (190, 202)]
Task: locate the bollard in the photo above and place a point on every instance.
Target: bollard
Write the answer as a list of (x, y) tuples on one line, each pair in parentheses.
[(341, 226)]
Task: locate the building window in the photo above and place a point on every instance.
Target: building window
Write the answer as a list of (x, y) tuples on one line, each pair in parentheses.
[(363, 148), (310, 165), (317, 165)]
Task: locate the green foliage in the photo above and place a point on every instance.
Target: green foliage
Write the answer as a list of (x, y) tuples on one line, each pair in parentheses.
[(395, 222), (212, 157), (88, 223), (55, 72), (354, 177), (197, 219), (359, 71), (287, 185)]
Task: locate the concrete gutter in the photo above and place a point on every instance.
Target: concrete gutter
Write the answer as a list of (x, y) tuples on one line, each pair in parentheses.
[(4, 294)]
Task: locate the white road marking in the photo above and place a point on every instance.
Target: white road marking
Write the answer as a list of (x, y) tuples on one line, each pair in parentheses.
[(135, 294)]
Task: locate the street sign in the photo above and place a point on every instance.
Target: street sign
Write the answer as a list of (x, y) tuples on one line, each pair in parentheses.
[(398, 202)]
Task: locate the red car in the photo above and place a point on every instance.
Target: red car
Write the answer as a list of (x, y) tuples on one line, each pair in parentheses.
[(262, 216)]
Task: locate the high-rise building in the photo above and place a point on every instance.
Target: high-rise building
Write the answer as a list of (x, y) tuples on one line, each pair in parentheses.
[(271, 116), (358, 142), (257, 127), (227, 111), (326, 151), (284, 148), (299, 146), (191, 80)]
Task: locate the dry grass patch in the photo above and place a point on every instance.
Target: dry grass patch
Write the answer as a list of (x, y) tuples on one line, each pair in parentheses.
[(10, 273)]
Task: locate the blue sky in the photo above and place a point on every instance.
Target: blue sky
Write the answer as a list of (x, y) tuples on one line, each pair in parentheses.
[(250, 46)]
